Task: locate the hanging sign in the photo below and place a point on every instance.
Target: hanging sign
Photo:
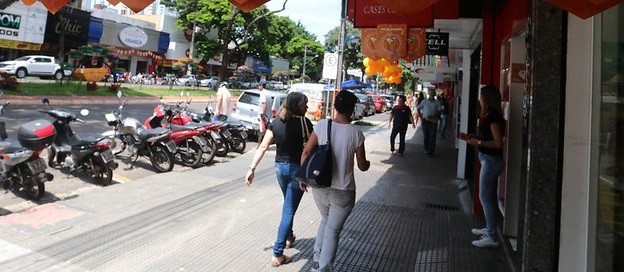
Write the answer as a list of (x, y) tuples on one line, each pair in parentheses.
[(437, 43), (416, 44), (133, 36), (330, 65)]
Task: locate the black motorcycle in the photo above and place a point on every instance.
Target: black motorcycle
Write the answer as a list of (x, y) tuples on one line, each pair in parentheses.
[(92, 155), (234, 133)]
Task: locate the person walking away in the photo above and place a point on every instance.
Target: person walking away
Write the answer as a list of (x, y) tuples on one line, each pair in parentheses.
[(489, 143), (336, 202), (417, 102), (400, 118), (266, 111), (288, 131), (429, 112), (223, 103), (444, 110)]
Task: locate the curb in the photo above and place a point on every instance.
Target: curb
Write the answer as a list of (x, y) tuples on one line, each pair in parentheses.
[(97, 100)]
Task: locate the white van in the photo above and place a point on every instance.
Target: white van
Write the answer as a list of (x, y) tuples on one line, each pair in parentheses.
[(247, 108), (317, 97)]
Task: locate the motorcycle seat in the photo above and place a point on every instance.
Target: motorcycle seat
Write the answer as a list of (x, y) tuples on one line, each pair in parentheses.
[(189, 126), (145, 134), (235, 124)]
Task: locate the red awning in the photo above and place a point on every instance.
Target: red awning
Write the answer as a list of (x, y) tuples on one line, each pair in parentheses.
[(247, 5), (585, 8)]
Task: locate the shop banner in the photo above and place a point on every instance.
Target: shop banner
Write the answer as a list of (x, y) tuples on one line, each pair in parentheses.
[(407, 8), (394, 41), (23, 23), (416, 44), (437, 43), (369, 13), (72, 24)]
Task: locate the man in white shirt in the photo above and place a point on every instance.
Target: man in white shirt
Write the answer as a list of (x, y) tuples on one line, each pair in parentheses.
[(223, 103), (429, 112), (266, 111)]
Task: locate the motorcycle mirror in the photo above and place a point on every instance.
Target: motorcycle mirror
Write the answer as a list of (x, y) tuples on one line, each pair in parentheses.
[(45, 101), (84, 112), (119, 94)]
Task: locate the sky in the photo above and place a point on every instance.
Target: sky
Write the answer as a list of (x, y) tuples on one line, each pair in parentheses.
[(318, 17)]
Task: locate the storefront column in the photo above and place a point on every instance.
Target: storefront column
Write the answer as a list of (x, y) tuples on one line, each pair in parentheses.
[(133, 65), (540, 248)]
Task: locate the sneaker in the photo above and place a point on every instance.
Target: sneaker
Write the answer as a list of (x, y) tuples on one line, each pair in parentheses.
[(480, 232), (485, 241)]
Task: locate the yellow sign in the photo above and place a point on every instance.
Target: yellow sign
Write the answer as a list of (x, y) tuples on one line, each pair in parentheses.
[(20, 45)]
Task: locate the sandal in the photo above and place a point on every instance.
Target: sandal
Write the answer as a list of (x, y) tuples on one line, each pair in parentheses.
[(290, 242), (280, 260)]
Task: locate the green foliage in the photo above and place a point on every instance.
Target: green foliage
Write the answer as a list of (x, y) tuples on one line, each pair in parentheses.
[(243, 74), (352, 57)]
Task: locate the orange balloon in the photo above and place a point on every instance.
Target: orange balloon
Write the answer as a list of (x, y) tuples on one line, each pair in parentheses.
[(137, 5), (366, 62), (383, 62), (29, 2), (54, 5), (368, 71)]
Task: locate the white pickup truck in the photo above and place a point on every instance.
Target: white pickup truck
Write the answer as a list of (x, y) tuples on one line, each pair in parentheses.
[(42, 66)]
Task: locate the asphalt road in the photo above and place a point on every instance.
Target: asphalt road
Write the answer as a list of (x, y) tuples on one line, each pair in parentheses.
[(64, 185)]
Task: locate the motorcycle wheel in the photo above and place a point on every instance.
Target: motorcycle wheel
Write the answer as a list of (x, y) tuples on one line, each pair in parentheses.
[(190, 153), (118, 146), (223, 148), (103, 175), (33, 186), (161, 158), (212, 149), (238, 144)]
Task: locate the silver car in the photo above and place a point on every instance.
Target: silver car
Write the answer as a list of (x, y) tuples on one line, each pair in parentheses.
[(247, 108)]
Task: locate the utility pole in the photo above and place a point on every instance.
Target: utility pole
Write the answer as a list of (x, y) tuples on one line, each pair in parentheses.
[(191, 49), (341, 45)]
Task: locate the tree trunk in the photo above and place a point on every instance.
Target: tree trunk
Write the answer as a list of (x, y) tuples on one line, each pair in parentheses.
[(226, 40)]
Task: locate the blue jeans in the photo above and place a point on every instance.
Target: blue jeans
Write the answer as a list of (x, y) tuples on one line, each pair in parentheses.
[(491, 168), (443, 124), (292, 197), (429, 131)]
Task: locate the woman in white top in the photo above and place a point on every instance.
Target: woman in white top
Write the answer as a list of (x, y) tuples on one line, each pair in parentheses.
[(336, 202)]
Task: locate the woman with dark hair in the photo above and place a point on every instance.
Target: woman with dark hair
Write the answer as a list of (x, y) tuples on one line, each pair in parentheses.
[(489, 143), (288, 132), (336, 202)]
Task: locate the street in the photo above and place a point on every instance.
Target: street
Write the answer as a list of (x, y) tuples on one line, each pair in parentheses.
[(66, 186)]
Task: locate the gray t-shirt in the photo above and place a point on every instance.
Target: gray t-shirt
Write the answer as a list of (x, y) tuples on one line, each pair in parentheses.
[(266, 98), (428, 108)]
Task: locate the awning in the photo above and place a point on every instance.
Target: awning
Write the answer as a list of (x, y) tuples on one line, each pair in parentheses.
[(585, 8)]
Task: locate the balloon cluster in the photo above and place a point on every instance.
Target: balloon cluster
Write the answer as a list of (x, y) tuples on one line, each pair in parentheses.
[(390, 71)]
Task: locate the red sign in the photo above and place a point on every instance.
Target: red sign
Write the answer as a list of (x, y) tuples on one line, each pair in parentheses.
[(369, 13), (585, 8), (407, 8)]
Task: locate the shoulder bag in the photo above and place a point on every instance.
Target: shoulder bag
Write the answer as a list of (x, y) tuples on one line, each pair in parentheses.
[(316, 170)]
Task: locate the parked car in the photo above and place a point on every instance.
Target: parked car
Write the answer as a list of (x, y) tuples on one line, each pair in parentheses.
[(187, 80), (276, 86), (380, 103), (367, 101), (34, 65), (209, 82), (234, 84), (247, 108), (390, 100), (358, 112)]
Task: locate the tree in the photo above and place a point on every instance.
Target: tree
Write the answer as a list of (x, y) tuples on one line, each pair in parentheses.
[(352, 56)]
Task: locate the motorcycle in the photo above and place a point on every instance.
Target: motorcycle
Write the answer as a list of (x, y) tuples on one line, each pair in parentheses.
[(189, 141), (69, 150), (129, 133), (21, 166), (235, 133)]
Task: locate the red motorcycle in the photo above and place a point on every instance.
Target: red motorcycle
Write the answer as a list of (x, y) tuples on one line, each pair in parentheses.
[(190, 143)]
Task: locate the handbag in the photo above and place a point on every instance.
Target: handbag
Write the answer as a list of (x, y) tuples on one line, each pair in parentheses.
[(305, 133), (316, 170)]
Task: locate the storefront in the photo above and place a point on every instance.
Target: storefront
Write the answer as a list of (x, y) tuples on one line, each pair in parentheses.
[(140, 50), (22, 30), (65, 30)]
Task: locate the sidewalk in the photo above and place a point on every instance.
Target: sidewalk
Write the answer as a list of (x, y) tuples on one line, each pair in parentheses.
[(411, 214)]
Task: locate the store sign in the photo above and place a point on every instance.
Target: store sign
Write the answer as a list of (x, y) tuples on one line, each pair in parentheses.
[(133, 36), (22, 24), (437, 43), (71, 24), (369, 13)]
